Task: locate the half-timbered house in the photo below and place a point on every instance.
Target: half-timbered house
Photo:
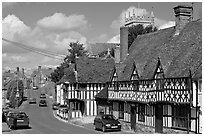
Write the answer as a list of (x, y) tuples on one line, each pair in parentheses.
[(160, 82), (81, 82)]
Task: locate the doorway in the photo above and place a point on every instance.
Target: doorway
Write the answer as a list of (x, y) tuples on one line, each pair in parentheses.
[(133, 117), (159, 118)]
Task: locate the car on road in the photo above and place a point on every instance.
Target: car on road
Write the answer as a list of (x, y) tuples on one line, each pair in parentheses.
[(32, 101), (35, 87), (5, 111), (55, 106), (17, 119), (42, 96), (106, 122), (43, 103)]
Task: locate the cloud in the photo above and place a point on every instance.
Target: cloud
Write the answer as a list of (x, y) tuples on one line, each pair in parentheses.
[(12, 26), (62, 40), (115, 39), (61, 21), (8, 4), (15, 29), (13, 58), (167, 25)]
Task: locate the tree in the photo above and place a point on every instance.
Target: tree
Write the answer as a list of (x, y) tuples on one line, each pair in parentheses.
[(138, 30), (76, 49)]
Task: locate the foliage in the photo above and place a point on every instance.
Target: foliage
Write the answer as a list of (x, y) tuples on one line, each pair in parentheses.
[(12, 91), (139, 30), (76, 49)]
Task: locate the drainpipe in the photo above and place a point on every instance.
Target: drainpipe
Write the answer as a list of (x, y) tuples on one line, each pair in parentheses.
[(196, 106)]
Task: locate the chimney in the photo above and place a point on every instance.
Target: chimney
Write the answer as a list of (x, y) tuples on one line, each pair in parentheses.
[(117, 54), (17, 69), (23, 71), (123, 42), (183, 15), (39, 68)]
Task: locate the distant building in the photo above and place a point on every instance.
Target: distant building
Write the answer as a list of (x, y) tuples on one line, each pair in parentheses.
[(10, 78), (40, 76)]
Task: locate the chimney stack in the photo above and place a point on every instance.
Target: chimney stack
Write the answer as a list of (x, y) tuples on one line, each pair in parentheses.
[(17, 69), (123, 43), (117, 54), (39, 68), (23, 71), (183, 15)]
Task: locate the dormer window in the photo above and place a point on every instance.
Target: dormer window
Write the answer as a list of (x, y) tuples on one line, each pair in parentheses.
[(134, 75), (159, 73), (115, 77)]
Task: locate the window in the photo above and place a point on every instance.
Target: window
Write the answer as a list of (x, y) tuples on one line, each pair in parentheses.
[(149, 110), (180, 113), (121, 110), (141, 112), (165, 110), (200, 85)]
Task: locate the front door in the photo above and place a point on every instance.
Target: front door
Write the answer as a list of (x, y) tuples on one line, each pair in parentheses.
[(133, 117), (159, 118)]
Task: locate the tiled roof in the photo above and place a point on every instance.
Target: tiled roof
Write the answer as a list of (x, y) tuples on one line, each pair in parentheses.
[(46, 72), (94, 70), (69, 76), (178, 54), (97, 48)]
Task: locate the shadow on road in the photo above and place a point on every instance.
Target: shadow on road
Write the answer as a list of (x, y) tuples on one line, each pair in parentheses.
[(9, 130), (20, 128)]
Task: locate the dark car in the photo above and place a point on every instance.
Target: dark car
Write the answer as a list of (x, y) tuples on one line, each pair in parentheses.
[(42, 96), (106, 122), (32, 101), (43, 103), (5, 111), (55, 106), (17, 119)]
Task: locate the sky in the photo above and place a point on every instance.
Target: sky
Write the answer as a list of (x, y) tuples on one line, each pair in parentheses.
[(51, 26)]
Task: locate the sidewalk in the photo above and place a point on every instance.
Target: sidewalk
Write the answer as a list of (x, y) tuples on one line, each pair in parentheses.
[(85, 122), (126, 127)]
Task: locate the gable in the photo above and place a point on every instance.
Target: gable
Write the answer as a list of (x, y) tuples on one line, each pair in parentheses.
[(134, 75), (159, 72), (115, 76)]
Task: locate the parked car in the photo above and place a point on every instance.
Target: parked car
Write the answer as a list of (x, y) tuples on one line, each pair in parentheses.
[(106, 122), (55, 106), (5, 111), (35, 87), (17, 119), (42, 96), (43, 103), (32, 101)]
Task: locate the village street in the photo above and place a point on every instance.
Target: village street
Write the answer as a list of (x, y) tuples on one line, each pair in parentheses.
[(42, 121)]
